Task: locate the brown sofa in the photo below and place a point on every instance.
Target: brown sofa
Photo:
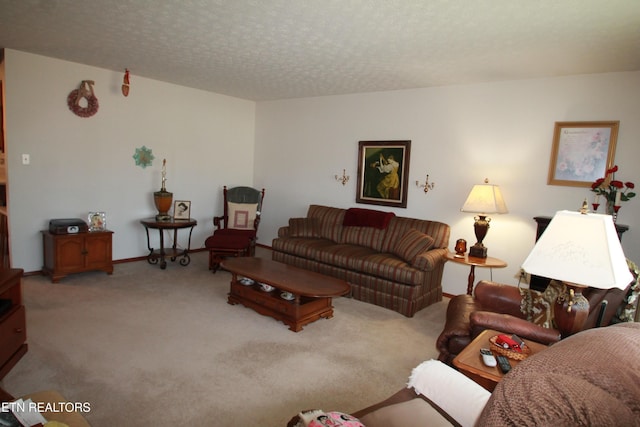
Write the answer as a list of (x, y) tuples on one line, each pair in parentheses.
[(589, 378), (502, 307), (390, 261)]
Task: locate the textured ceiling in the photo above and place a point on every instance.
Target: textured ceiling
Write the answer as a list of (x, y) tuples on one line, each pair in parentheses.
[(275, 49)]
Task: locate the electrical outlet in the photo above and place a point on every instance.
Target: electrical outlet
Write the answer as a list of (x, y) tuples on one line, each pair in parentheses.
[(26, 159)]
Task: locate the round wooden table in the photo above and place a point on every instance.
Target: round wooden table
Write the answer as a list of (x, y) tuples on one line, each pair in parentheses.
[(171, 224), (488, 262)]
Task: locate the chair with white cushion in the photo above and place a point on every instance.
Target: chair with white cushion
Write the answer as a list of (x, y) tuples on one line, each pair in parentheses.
[(236, 230)]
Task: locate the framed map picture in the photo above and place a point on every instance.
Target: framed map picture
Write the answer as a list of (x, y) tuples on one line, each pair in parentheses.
[(582, 152)]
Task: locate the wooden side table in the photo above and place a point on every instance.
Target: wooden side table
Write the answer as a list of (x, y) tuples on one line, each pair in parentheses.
[(469, 361), (474, 262), (173, 252)]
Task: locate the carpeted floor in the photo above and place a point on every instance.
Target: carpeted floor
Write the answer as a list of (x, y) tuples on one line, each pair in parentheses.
[(147, 346)]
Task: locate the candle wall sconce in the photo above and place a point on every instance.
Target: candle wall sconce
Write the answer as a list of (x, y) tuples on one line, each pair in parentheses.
[(344, 178), (426, 186)]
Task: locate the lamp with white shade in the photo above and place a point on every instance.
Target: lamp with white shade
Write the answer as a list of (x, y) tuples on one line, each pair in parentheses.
[(483, 199), (581, 250)]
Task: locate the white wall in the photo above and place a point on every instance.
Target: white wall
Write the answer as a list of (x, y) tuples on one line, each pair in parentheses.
[(86, 164), (460, 135)]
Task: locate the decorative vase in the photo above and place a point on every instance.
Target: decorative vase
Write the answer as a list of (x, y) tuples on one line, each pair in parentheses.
[(163, 200), (609, 208)]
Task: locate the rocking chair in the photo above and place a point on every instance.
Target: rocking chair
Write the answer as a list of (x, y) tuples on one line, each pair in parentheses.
[(236, 230)]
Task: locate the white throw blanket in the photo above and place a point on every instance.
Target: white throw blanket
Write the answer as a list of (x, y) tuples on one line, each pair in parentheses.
[(453, 392)]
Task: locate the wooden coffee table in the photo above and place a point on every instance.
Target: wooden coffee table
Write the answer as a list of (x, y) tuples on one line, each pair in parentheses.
[(469, 361), (312, 292)]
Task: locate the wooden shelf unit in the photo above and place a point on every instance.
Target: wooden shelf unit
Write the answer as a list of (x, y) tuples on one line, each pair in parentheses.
[(13, 325)]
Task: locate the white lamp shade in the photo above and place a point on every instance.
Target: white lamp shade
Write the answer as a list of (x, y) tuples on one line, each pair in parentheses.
[(583, 249), (485, 198)]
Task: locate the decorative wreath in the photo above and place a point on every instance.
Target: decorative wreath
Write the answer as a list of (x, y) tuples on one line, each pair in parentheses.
[(84, 91)]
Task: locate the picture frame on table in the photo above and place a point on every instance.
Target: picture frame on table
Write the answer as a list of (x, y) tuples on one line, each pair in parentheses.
[(97, 221), (383, 172), (182, 209), (582, 152)]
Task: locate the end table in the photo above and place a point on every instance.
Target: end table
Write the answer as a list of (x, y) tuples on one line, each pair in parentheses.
[(173, 252), (474, 262), (469, 361)]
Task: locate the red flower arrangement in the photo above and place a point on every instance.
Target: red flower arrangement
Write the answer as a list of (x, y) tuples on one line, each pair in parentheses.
[(614, 191)]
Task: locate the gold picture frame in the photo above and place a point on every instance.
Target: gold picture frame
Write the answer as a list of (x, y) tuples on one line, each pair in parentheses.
[(582, 152)]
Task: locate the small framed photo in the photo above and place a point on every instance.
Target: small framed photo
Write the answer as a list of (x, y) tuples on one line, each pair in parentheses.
[(182, 209), (582, 152), (97, 221)]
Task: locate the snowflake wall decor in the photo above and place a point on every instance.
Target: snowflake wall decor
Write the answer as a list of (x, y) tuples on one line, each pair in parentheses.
[(143, 157)]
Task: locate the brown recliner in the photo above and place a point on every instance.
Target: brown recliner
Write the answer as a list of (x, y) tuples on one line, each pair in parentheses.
[(497, 306)]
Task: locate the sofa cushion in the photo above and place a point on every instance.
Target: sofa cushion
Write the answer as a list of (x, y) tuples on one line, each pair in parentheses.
[(303, 227), (388, 267), (342, 255), (398, 226), (538, 306), (359, 217), (329, 221), (411, 245), (302, 247), (363, 236), (590, 378), (242, 216)]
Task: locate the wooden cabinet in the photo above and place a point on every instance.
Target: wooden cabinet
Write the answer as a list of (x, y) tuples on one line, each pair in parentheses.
[(13, 330), (75, 253)]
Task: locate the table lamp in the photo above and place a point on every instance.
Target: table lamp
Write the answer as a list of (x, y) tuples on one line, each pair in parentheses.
[(483, 199), (581, 250)]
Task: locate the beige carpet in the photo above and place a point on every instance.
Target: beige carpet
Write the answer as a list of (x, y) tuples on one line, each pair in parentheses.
[(147, 347)]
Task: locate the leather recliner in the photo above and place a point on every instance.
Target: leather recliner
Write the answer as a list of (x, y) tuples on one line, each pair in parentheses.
[(497, 306)]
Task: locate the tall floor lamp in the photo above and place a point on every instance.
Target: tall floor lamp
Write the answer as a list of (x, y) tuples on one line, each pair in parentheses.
[(581, 250)]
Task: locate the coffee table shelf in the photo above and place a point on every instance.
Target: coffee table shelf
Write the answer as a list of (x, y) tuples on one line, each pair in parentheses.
[(312, 291)]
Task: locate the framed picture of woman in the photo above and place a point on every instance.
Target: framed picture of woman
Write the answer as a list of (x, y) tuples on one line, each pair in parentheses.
[(181, 209), (383, 172)]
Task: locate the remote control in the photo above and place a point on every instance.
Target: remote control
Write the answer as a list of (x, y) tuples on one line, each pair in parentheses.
[(488, 358), (503, 363)]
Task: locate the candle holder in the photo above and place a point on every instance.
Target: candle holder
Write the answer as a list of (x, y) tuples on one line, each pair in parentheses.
[(595, 206), (344, 178), (461, 247), (615, 213), (426, 186)]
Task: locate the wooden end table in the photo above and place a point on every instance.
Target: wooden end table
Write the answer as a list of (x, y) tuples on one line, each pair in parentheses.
[(488, 262), (469, 361), (173, 252)]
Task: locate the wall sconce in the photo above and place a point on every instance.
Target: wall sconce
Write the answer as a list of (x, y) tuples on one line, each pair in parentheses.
[(427, 185), (344, 178)]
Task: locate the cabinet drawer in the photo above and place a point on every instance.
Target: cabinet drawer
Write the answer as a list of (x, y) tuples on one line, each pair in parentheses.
[(13, 333)]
